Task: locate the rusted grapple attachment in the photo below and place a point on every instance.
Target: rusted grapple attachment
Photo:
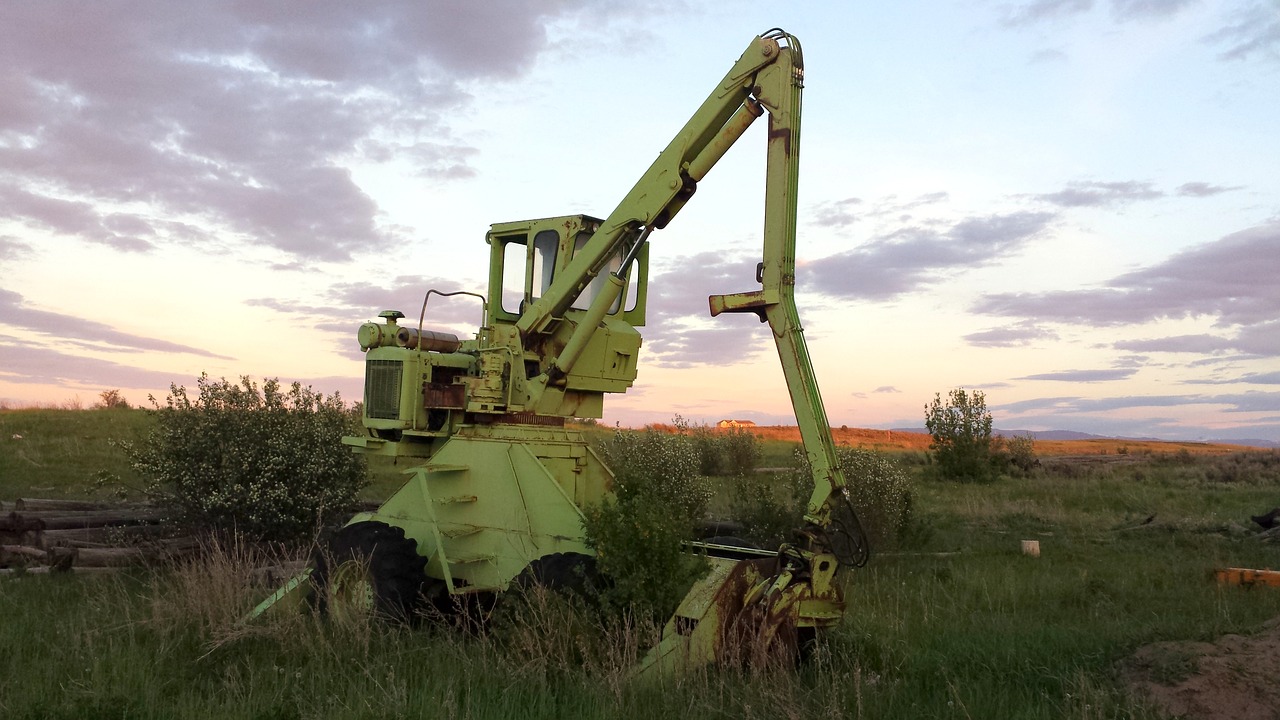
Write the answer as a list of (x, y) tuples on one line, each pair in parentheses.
[(755, 613)]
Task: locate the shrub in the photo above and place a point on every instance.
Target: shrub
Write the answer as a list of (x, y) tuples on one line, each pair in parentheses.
[(963, 448), (881, 493), (1020, 453), (732, 451), (1258, 467), (741, 449), (638, 536), (265, 463), (111, 400), (771, 506)]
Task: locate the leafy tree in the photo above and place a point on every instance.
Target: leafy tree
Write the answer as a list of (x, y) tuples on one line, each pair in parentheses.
[(264, 462), (963, 447)]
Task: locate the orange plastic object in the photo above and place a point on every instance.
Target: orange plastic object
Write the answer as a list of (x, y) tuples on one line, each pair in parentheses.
[(1244, 576)]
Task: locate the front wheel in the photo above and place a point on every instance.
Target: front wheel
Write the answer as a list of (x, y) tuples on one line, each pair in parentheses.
[(369, 568), (570, 573)]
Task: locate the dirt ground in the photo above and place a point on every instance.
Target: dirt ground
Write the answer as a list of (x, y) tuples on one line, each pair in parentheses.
[(1235, 677)]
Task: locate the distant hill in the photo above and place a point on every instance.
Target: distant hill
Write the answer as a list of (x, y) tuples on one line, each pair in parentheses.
[(1250, 442), (1041, 434), (1067, 435)]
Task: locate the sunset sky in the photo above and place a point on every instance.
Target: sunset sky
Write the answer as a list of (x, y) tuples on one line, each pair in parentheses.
[(1072, 206)]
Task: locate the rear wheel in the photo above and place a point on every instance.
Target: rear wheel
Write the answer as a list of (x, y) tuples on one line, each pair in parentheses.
[(369, 568)]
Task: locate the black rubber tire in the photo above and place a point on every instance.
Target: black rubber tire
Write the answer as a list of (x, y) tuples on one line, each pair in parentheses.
[(377, 554), (565, 573)]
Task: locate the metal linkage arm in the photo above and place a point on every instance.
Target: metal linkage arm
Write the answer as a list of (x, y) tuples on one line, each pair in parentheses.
[(779, 89)]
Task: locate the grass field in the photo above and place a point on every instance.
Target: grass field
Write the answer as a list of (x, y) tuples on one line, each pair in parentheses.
[(957, 623)]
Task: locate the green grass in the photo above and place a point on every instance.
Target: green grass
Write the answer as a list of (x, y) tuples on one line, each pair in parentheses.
[(56, 453), (59, 452), (956, 624), (777, 453)]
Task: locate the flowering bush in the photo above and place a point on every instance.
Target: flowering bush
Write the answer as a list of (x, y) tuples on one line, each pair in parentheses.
[(660, 466), (265, 463), (638, 535), (881, 492)]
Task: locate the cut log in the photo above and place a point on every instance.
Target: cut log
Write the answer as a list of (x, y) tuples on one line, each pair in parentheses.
[(16, 524), (53, 504), (114, 557), (105, 535), (177, 545), (62, 558), (46, 570), (80, 544), (11, 555), (67, 520)]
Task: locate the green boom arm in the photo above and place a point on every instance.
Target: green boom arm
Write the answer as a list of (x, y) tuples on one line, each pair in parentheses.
[(769, 77)]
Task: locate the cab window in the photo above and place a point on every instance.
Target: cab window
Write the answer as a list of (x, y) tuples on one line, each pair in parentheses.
[(597, 284)]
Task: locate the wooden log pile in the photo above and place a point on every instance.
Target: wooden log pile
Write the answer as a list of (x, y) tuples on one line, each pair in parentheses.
[(39, 535)]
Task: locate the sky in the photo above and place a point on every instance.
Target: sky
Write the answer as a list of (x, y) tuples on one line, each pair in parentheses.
[(1072, 206)]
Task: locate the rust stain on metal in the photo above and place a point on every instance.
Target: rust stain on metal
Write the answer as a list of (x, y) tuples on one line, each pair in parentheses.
[(780, 133), (444, 395)]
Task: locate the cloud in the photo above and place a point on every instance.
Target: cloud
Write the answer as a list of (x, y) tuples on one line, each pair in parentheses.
[(842, 213), (1229, 279), (1268, 378), (890, 206), (32, 364), (1048, 55), (1204, 189), (1132, 361), (1043, 10), (346, 306), (1039, 11), (1087, 376), (1260, 339), (836, 213), (1253, 401), (1271, 378), (70, 329), (680, 331), (907, 259), (887, 389), (1100, 194), (12, 249), (1018, 335), (1255, 31), (1123, 10), (1199, 344), (238, 119)]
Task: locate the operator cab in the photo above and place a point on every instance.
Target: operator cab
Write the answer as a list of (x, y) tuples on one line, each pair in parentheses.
[(527, 256)]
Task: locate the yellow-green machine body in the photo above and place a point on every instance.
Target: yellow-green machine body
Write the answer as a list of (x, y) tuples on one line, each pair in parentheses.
[(497, 480)]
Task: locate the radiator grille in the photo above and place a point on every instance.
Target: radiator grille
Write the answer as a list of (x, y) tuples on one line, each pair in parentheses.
[(382, 388)]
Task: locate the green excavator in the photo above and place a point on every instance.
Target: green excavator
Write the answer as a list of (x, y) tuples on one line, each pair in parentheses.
[(499, 478)]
